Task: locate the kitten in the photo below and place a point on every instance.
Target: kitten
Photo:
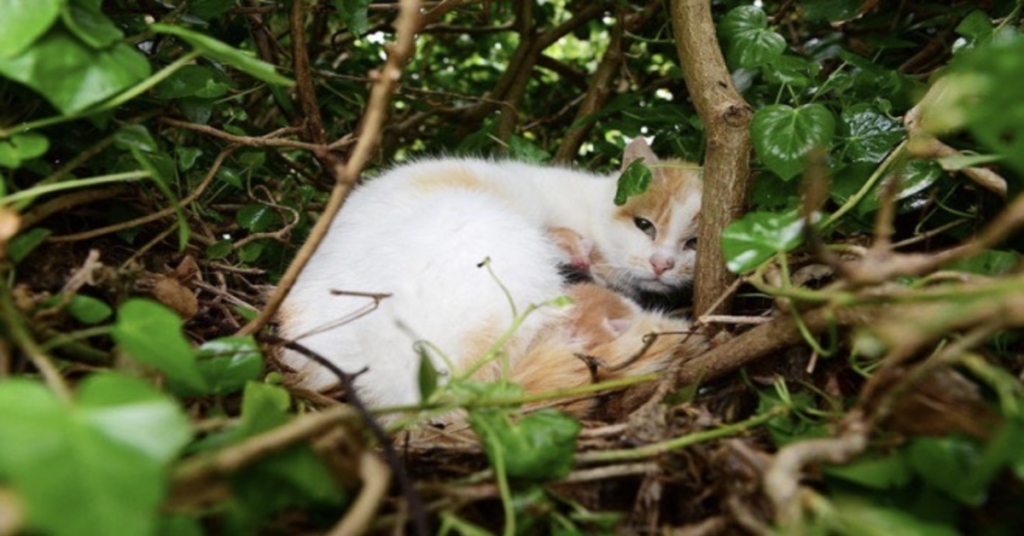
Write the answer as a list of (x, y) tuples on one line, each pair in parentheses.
[(419, 233), (607, 327)]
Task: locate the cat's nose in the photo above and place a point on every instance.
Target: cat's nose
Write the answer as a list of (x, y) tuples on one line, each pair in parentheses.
[(662, 264)]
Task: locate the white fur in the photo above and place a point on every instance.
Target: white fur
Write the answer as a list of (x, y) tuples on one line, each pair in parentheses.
[(423, 245)]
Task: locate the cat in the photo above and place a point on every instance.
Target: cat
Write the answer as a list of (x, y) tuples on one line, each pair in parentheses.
[(420, 233)]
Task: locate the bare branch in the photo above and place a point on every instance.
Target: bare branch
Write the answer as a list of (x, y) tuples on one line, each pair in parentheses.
[(727, 118)]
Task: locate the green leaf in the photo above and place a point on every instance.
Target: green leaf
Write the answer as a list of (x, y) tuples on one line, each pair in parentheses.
[(86, 20), (135, 136), (95, 467), (749, 41), (635, 180), (754, 238), (250, 252), (23, 21), (196, 110), (257, 218), (354, 14), (219, 249), (20, 246), (914, 176), (540, 446), (855, 516), (990, 262), (993, 107), (227, 365), (187, 157), (783, 135), (73, 76), (427, 376), (224, 53), (791, 70), (264, 407), (889, 472), (21, 147), (88, 310), (976, 26), (523, 149), (151, 334), (869, 133), (195, 80), (948, 463)]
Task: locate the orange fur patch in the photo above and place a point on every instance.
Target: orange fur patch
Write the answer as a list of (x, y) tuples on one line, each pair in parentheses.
[(451, 179), (673, 183)]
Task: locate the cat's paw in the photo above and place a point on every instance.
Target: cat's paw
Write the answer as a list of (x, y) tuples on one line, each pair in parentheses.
[(579, 250)]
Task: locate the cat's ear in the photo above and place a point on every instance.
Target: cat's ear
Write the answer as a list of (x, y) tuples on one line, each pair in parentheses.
[(638, 148)]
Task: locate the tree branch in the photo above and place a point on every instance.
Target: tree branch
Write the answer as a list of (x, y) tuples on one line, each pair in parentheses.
[(346, 175), (726, 117)]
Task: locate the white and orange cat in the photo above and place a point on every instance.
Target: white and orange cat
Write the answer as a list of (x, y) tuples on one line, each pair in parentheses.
[(419, 234)]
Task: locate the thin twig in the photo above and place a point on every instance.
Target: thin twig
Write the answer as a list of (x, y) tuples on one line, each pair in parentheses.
[(347, 175), (160, 214)]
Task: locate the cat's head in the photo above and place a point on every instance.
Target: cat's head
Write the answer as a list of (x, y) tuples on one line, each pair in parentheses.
[(650, 244)]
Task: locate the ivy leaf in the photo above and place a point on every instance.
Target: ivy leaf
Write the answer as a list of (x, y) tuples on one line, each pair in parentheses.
[(224, 53), (219, 249), (791, 70), (73, 76), (754, 238), (354, 14), (948, 463), (635, 180), (86, 20), (257, 218), (227, 364), (88, 310), (23, 22), (151, 333), (749, 41), (20, 246), (539, 447), (195, 80), (870, 134), (523, 149), (95, 467), (992, 105), (21, 147), (783, 135)]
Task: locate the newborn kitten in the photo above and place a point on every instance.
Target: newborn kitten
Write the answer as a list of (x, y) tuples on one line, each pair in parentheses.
[(419, 233), (604, 326)]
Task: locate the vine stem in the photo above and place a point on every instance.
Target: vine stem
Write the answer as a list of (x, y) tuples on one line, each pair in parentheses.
[(69, 185), (662, 447)]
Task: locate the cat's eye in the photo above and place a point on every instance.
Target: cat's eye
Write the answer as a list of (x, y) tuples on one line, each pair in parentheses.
[(690, 244), (646, 226)]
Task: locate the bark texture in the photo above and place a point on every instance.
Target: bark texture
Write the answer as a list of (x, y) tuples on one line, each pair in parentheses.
[(726, 117)]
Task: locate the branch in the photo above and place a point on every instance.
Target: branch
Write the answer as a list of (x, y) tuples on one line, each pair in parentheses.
[(346, 176), (726, 167), (169, 211), (764, 340)]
